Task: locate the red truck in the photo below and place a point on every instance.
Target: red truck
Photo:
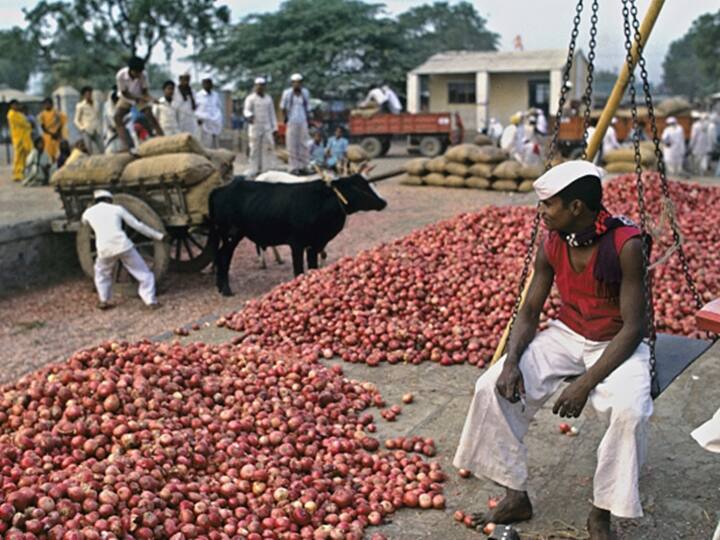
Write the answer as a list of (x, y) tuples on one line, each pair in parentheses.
[(430, 133)]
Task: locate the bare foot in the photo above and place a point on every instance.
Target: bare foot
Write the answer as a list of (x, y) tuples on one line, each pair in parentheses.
[(514, 507), (598, 525)]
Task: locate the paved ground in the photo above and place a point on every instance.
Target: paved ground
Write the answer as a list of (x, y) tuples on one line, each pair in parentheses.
[(680, 487)]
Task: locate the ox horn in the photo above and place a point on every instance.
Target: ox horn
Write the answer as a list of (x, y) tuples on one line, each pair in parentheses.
[(385, 176)]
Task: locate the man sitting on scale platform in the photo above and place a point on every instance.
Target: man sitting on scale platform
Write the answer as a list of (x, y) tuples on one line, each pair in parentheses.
[(596, 261)]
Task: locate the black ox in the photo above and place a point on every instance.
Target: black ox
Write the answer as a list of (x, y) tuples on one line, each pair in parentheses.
[(305, 216)]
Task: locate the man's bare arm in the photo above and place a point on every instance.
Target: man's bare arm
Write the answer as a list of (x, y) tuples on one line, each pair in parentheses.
[(623, 345)]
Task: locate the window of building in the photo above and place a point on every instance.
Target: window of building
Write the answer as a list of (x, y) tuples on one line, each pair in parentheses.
[(461, 92)]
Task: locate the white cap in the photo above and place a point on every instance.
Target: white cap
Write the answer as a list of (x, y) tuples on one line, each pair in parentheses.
[(671, 120), (296, 77), (101, 193), (206, 77), (561, 176), (613, 121), (260, 80), (185, 73)]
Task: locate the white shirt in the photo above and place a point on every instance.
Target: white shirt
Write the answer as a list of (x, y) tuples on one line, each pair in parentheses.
[(167, 116), (86, 117), (262, 111), (542, 124), (186, 114), (393, 100), (701, 142), (209, 111), (673, 137), (296, 106), (610, 141), (106, 221), (377, 95), (135, 87)]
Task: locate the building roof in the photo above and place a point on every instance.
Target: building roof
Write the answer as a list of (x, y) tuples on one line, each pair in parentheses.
[(7, 94), (492, 61)]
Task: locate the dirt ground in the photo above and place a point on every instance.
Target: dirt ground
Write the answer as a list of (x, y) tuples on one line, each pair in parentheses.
[(680, 487)]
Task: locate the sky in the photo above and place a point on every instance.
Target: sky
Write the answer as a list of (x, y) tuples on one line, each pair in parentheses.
[(542, 24)]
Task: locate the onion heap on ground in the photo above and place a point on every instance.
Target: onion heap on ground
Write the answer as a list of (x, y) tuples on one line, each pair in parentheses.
[(445, 293), (153, 440)]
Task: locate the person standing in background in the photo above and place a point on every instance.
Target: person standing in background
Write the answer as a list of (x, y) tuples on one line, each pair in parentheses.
[(52, 123), (209, 114), (87, 122), (701, 144), (167, 115), (495, 131), (610, 140), (184, 102), (21, 137), (295, 104), (259, 111), (673, 140)]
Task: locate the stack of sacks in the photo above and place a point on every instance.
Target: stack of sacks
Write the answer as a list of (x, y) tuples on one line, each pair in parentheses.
[(622, 160), (415, 169)]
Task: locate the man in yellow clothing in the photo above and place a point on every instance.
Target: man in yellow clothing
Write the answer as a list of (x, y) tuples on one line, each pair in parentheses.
[(21, 136), (52, 123)]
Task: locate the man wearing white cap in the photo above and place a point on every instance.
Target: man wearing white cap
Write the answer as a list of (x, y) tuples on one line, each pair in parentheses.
[(610, 140), (259, 111), (702, 140), (184, 102), (209, 113), (106, 220), (595, 260), (673, 140), (295, 104)]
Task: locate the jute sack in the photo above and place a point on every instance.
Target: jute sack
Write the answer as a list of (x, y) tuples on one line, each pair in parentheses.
[(434, 179), (223, 160), (461, 153), (525, 186), (365, 113), (507, 169), (356, 153), (477, 182), (457, 169), (96, 170), (182, 143), (437, 165), (647, 156), (482, 140), (483, 170), (505, 184), (197, 196), (189, 169), (283, 155), (624, 167), (411, 180), (489, 154), (531, 172), (453, 180), (416, 166)]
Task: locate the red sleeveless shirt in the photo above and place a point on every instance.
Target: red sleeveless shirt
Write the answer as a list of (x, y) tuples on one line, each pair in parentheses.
[(583, 309)]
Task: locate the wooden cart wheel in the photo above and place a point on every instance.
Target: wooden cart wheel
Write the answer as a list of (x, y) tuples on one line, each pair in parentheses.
[(190, 249), (155, 252), (373, 146), (430, 146)]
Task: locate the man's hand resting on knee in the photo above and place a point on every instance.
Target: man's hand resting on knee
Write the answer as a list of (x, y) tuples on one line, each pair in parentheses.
[(510, 384)]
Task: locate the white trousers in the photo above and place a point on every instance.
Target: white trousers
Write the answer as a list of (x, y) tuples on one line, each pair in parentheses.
[(261, 151), (491, 443), (93, 143), (296, 139), (209, 140), (135, 265)]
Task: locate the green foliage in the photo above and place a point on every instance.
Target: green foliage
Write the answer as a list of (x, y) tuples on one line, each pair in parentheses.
[(87, 41), (692, 64), (342, 46), (18, 58)]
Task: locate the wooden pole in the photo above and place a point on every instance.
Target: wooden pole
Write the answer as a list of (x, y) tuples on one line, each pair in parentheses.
[(611, 106)]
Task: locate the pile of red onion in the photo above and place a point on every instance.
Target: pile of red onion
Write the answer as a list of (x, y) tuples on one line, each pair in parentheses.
[(153, 440), (445, 293)]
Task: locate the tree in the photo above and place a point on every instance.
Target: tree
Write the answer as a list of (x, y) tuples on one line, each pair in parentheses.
[(432, 28), (87, 41), (339, 45), (692, 64), (18, 59)]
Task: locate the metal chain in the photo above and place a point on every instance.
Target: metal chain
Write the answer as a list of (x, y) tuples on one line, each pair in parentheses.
[(564, 89), (587, 97), (548, 164), (667, 201), (647, 284)]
